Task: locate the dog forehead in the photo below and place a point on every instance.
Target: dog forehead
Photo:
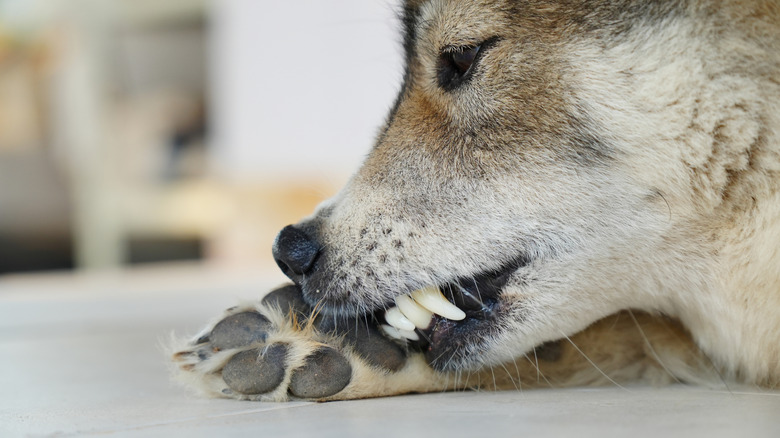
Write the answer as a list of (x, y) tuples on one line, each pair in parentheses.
[(469, 19), (457, 22)]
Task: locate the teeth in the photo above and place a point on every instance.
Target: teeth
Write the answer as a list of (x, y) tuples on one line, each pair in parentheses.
[(416, 310), (399, 334), (418, 315), (432, 299), (395, 318)]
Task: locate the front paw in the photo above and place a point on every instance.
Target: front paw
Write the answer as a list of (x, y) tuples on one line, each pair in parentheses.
[(279, 348)]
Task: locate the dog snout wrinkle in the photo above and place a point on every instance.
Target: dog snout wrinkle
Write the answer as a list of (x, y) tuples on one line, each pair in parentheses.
[(295, 252)]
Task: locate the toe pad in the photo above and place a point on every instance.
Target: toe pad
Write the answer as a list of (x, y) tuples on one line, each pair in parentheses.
[(256, 371), (325, 373), (240, 330)]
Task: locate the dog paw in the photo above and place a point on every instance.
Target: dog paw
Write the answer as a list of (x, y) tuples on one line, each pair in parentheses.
[(280, 348)]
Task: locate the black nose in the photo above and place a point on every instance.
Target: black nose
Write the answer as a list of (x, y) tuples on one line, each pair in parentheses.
[(295, 252)]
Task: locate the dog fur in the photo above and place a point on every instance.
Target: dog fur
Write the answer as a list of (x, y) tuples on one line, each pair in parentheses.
[(627, 151)]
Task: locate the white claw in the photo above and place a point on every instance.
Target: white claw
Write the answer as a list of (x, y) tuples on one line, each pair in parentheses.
[(432, 299), (395, 318), (418, 315)]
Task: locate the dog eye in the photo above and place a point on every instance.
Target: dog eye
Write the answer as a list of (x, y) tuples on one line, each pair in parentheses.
[(455, 64), (463, 59)]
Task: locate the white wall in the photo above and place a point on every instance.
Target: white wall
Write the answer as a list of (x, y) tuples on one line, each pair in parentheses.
[(300, 87)]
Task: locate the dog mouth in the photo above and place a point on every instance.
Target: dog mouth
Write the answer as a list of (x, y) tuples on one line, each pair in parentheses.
[(449, 321)]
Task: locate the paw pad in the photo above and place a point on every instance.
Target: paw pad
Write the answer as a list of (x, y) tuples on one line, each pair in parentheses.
[(369, 343), (240, 330), (325, 373), (256, 371), (289, 301)]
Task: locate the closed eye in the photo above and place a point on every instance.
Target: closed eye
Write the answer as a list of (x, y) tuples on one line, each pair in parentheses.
[(457, 64)]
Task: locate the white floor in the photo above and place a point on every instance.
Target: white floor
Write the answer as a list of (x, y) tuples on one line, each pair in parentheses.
[(80, 356)]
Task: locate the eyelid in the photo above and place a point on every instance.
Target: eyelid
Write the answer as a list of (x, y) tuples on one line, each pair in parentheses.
[(448, 50), (470, 44)]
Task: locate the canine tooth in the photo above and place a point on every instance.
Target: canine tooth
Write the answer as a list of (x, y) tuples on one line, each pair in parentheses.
[(391, 331), (395, 318), (432, 299), (417, 314), (399, 334), (409, 334)]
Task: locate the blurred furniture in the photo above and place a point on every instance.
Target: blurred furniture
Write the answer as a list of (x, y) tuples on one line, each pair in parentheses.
[(159, 132), (129, 124), (35, 212)]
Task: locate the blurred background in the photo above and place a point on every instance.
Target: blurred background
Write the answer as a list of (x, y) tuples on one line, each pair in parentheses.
[(149, 131)]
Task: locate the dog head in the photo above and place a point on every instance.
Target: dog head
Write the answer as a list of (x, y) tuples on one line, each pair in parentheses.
[(531, 160)]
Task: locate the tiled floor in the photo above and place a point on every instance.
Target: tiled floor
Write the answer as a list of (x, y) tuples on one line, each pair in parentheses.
[(81, 356)]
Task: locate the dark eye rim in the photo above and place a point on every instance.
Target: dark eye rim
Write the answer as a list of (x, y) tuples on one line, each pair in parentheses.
[(449, 74)]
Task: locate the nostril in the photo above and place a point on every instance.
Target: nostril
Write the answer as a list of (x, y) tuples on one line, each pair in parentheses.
[(295, 251), (284, 267)]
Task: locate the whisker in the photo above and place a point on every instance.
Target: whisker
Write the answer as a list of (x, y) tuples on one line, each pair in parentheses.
[(593, 363), (650, 346), (535, 364), (509, 376), (517, 370), (493, 373)]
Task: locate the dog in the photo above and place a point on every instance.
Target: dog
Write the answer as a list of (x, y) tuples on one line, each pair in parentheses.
[(564, 193)]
